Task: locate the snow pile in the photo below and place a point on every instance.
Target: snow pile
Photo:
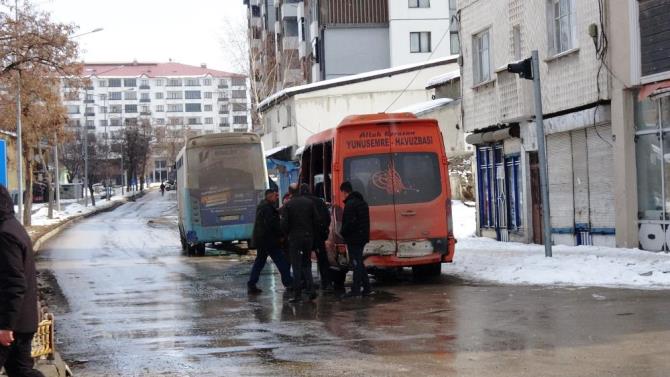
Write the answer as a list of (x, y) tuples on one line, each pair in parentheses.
[(69, 209), (488, 260), (443, 78)]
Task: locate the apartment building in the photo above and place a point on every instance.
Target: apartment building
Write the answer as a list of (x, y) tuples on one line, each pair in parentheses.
[(171, 96), (498, 111)]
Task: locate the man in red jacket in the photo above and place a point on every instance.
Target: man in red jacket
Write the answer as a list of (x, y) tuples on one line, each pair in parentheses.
[(18, 293)]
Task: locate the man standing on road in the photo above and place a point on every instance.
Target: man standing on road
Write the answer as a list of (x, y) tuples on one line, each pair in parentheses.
[(162, 188), (18, 293), (320, 237), (356, 233), (267, 238), (299, 218)]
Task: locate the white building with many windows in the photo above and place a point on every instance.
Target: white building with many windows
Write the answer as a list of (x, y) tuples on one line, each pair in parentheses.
[(173, 96), (421, 29)]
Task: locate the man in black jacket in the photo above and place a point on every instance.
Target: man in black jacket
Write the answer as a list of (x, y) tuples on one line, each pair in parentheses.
[(356, 233), (299, 219), (267, 238), (18, 293), (321, 235)]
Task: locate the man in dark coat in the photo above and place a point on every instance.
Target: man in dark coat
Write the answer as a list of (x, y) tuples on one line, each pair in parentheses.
[(18, 293), (321, 235), (267, 238), (356, 233), (298, 222)]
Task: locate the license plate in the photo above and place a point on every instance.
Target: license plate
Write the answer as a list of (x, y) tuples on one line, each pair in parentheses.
[(230, 218)]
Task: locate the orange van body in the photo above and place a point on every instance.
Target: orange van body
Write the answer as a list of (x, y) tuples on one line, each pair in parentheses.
[(399, 164)]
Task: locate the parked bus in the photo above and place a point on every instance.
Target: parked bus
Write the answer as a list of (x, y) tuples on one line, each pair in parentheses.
[(399, 164), (221, 178)]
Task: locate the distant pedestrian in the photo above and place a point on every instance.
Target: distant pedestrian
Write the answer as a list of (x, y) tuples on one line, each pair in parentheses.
[(320, 237), (162, 188), (356, 234), (18, 293), (298, 222), (267, 238)]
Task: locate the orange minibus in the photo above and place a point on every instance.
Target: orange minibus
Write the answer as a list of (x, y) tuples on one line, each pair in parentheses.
[(398, 163)]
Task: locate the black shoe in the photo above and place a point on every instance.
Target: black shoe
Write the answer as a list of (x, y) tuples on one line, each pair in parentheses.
[(253, 290), (350, 294), (368, 293), (295, 300)]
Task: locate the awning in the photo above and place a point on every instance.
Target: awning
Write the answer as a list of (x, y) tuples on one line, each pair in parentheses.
[(281, 152), (649, 89), (493, 136)]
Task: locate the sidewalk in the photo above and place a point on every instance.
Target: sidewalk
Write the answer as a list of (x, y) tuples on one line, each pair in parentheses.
[(484, 259)]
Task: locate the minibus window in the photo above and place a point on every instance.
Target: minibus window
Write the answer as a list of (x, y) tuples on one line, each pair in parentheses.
[(403, 178)]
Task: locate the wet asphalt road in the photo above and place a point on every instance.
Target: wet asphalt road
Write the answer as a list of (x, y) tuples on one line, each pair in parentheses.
[(136, 307)]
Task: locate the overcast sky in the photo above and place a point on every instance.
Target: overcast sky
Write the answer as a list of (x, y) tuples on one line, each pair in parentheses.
[(186, 31)]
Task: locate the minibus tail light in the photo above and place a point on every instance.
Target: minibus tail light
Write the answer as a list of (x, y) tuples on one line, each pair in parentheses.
[(450, 221)]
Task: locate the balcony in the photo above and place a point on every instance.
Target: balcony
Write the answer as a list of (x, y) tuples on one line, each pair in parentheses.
[(89, 101), (89, 114), (224, 112), (145, 100), (224, 125), (222, 86), (145, 87), (145, 113), (223, 99), (240, 129), (290, 43)]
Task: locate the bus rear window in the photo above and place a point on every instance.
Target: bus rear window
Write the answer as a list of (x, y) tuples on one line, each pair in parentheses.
[(403, 178), (234, 167)]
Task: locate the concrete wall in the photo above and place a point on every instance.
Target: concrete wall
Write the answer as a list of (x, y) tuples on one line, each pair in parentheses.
[(349, 51), (403, 20)]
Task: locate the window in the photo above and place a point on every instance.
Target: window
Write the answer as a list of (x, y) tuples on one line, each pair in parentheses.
[(208, 94), (239, 81), (223, 83), (454, 43), (192, 121), (193, 108), (144, 109), (419, 3), (144, 96), (160, 121), (114, 83), (174, 82), (129, 83), (514, 190), (89, 111), (561, 24), (420, 171), (209, 120), (239, 94), (115, 109), (102, 123), (239, 107), (192, 94), (102, 83), (130, 95), (174, 95), (144, 82), (115, 122), (240, 120), (103, 109), (115, 96), (654, 21), (192, 82), (130, 108), (486, 175), (419, 42), (72, 109), (73, 122), (454, 40), (175, 121), (206, 82), (482, 57), (223, 109), (175, 108), (160, 108), (159, 95), (90, 124), (131, 121), (159, 82), (208, 107), (102, 97)]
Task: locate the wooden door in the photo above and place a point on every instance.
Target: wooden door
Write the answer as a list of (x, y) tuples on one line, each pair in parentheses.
[(536, 198)]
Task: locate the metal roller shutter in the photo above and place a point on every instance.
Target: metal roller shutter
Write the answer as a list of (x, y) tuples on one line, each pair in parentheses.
[(559, 161), (600, 159)]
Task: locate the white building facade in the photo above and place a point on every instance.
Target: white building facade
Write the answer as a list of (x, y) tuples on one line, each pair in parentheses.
[(178, 97), (498, 110), (420, 29)]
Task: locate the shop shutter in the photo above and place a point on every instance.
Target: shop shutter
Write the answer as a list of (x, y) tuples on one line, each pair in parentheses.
[(599, 143), (559, 161), (580, 170)]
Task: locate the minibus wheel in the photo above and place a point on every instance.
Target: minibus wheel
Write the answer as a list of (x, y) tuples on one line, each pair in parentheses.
[(426, 271)]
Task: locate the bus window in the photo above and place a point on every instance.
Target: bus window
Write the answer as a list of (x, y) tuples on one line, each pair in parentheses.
[(212, 168)]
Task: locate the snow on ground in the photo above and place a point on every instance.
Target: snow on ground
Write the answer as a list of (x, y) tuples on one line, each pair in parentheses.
[(485, 259), (69, 209)]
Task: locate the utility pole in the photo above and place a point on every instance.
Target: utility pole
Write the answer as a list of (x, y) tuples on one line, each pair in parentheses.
[(19, 142), (56, 172), (85, 150), (529, 69)]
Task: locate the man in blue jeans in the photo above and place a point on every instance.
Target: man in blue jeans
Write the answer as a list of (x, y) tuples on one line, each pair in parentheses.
[(267, 238), (356, 233)]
